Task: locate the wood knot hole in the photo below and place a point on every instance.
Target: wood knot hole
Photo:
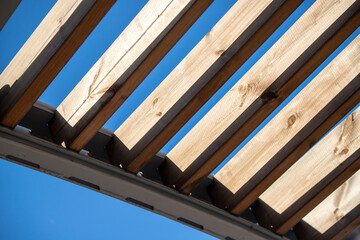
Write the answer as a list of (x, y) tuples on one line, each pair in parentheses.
[(220, 52), (344, 151), (159, 114), (291, 120), (338, 215)]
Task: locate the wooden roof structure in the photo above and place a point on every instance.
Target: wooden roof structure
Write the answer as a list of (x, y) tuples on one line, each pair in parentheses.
[(299, 174)]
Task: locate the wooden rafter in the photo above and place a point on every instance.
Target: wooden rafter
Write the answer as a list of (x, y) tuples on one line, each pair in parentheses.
[(299, 173), (134, 146), (133, 55), (297, 127), (336, 216), (45, 53), (321, 170), (256, 95)]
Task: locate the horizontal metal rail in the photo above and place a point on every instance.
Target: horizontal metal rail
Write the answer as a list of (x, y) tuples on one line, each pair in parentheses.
[(31, 149)]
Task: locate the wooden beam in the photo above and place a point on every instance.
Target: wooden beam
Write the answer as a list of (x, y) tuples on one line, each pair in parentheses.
[(331, 95), (178, 97), (250, 101), (351, 226), (7, 8), (336, 206), (325, 192), (312, 178), (336, 216), (133, 55), (45, 53)]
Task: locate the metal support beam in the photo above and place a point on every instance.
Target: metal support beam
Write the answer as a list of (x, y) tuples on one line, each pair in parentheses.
[(22, 147)]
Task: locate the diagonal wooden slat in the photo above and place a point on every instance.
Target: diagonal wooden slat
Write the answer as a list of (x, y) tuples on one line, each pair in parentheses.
[(341, 178), (257, 93), (245, 200), (204, 70), (7, 8), (45, 53), (349, 227), (133, 55), (322, 217), (312, 178), (336, 216), (331, 94), (323, 181)]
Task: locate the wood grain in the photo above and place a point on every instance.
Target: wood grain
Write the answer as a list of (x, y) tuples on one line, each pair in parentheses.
[(45, 53), (313, 177), (232, 123), (336, 206), (317, 163), (173, 96), (295, 128), (157, 137), (289, 222), (338, 231), (260, 77), (133, 55), (190, 70)]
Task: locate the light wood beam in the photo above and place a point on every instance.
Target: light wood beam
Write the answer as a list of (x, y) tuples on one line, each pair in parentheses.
[(133, 55), (336, 216), (258, 93), (318, 162), (45, 53), (341, 178), (312, 178), (348, 228), (262, 160), (336, 206), (175, 100)]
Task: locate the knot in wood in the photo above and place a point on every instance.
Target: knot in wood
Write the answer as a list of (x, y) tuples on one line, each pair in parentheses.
[(291, 120), (245, 89), (343, 152), (220, 52), (338, 215)]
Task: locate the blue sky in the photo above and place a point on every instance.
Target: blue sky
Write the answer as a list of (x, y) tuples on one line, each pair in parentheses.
[(34, 205)]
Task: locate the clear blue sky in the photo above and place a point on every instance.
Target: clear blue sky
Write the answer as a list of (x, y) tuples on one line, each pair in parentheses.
[(34, 205)]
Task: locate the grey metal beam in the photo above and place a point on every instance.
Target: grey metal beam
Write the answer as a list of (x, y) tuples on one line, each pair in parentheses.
[(21, 147)]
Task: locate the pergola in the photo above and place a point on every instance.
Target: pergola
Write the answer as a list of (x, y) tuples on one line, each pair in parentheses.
[(297, 178)]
